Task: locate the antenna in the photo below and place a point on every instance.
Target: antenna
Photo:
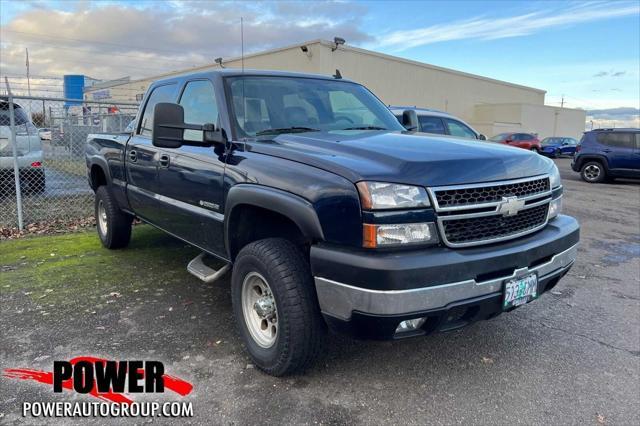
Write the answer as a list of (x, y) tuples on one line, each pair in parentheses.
[(242, 42), (244, 107)]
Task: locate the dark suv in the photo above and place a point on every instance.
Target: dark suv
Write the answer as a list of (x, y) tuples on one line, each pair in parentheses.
[(608, 153)]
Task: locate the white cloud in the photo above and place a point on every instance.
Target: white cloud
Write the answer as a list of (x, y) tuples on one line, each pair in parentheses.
[(486, 28), (111, 40)]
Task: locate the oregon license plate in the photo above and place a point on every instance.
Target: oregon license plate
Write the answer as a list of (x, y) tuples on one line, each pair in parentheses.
[(520, 291)]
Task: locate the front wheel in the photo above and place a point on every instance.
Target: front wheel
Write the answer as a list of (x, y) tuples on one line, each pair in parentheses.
[(275, 307), (114, 226), (533, 149)]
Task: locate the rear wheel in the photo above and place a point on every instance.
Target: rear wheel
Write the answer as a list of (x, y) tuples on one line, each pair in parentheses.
[(593, 172), (114, 226), (275, 307)]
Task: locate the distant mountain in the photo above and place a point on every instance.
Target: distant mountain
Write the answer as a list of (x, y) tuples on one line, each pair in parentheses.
[(621, 113)]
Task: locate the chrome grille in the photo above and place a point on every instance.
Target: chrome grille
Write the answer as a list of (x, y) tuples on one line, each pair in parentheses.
[(489, 193), (470, 215)]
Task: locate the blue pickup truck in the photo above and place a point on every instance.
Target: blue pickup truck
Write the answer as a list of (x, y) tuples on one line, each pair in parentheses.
[(328, 212)]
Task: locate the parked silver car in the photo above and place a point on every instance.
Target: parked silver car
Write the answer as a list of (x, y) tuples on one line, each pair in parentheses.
[(439, 122), (29, 150)]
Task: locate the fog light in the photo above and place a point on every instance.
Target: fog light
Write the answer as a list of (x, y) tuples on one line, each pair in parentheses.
[(410, 325), (555, 207)]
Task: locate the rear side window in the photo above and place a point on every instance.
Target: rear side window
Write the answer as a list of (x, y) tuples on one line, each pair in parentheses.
[(159, 94), (617, 139), (200, 107), (456, 128), (431, 125), (19, 115)]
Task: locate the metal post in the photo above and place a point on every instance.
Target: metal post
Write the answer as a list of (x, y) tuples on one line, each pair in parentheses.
[(16, 169)]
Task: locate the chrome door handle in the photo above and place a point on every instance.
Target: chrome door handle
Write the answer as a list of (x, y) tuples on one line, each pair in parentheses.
[(133, 155), (164, 160)]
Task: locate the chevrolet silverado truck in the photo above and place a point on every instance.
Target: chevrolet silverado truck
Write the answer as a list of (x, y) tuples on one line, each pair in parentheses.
[(328, 212)]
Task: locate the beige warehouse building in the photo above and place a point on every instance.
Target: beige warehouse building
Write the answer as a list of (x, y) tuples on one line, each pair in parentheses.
[(491, 106)]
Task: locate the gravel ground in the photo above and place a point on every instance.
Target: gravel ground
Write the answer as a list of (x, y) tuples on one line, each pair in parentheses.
[(571, 357)]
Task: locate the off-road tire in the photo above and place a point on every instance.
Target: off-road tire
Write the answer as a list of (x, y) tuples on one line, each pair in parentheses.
[(587, 172), (301, 334), (118, 230)]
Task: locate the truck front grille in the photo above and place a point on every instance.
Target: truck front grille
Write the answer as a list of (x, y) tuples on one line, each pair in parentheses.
[(470, 215), (489, 193), (486, 228)]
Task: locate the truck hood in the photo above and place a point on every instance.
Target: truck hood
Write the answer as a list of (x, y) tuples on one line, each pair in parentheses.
[(400, 157)]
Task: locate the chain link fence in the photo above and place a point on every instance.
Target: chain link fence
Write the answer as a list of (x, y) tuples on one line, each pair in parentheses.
[(42, 143)]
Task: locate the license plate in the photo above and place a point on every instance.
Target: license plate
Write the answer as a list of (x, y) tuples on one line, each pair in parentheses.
[(520, 291)]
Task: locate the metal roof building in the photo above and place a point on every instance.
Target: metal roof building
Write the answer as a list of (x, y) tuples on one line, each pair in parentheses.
[(491, 106)]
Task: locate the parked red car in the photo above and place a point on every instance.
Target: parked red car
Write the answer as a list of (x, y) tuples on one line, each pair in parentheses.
[(521, 140)]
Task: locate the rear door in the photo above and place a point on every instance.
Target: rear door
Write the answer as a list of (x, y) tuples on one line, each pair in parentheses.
[(190, 177), (619, 149), (141, 159)]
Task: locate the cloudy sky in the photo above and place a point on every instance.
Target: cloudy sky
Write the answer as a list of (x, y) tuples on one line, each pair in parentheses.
[(587, 51)]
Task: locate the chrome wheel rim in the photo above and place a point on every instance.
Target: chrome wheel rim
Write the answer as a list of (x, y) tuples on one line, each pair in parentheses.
[(102, 218), (592, 172), (259, 310)]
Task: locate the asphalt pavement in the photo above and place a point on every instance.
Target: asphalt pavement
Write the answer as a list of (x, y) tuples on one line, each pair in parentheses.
[(570, 357)]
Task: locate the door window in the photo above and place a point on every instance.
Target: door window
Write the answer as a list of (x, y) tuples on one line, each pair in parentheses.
[(159, 94), (199, 102), (456, 128), (617, 139), (431, 125)]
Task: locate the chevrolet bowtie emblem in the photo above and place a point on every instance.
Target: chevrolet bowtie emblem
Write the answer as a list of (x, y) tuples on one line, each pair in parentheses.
[(510, 206)]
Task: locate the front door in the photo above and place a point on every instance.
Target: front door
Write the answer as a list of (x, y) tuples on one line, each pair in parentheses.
[(190, 177)]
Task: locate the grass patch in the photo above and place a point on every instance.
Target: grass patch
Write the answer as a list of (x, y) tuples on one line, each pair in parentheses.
[(71, 269)]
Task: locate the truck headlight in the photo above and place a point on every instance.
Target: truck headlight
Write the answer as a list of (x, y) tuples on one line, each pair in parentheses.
[(380, 196), (554, 177), (398, 234)]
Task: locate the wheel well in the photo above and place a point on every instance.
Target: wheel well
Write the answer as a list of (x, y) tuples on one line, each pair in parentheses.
[(602, 162), (250, 223), (98, 177)]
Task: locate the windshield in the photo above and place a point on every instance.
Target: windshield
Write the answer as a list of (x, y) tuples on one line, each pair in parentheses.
[(499, 137), (551, 141), (273, 105)]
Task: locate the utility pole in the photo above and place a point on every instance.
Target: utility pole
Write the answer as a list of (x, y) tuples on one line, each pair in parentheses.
[(562, 102), (28, 79)]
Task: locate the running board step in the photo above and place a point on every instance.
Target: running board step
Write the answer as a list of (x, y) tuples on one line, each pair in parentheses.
[(204, 273)]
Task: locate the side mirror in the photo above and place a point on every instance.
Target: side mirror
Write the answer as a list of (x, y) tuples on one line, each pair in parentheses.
[(482, 137), (169, 127), (410, 119)]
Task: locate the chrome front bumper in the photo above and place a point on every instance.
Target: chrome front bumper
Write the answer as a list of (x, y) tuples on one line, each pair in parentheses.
[(339, 300)]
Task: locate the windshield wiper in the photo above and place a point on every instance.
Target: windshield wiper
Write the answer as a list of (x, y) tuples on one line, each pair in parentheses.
[(286, 130), (365, 128)]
